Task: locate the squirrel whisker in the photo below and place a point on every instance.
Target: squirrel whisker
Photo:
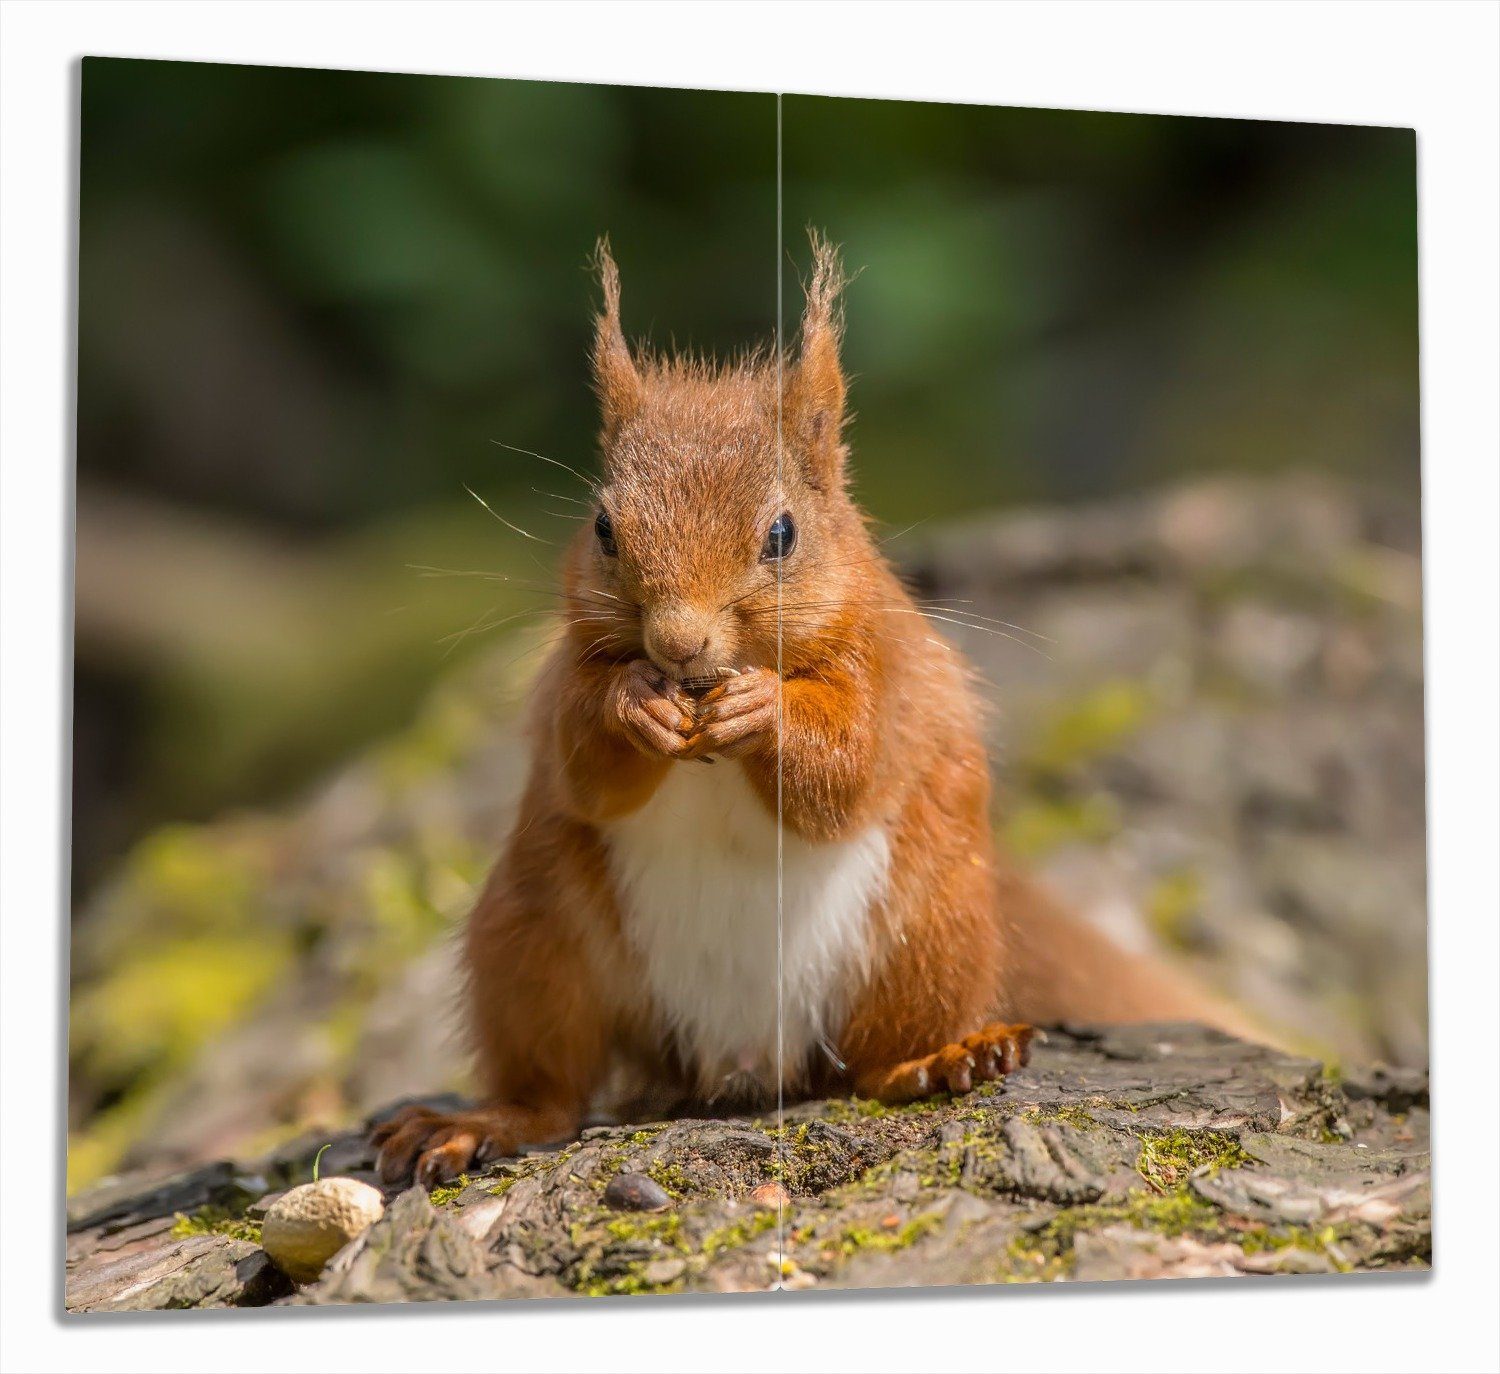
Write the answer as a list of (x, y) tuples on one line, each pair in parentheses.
[(526, 534), (558, 496), (587, 481)]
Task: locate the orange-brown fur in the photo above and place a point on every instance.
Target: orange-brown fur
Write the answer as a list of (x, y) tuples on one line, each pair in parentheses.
[(878, 725)]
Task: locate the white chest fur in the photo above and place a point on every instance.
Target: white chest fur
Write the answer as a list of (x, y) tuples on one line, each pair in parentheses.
[(696, 870)]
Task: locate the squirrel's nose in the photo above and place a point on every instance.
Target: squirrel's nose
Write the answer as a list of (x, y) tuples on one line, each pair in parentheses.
[(676, 637), (687, 658)]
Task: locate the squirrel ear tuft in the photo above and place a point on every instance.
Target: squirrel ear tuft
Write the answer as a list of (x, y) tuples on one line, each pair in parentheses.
[(615, 376), (814, 402)]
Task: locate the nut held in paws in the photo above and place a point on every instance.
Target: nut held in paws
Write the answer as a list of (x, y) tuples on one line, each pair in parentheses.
[(307, 1226)]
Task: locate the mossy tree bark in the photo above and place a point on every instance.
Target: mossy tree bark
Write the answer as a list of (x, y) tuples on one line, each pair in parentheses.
[(1142, 1152)]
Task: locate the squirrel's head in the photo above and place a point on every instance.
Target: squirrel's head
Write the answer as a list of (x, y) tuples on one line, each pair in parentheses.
[(723, 512)]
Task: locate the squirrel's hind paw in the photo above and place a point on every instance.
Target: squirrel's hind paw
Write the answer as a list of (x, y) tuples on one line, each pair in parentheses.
[(988, 1054)]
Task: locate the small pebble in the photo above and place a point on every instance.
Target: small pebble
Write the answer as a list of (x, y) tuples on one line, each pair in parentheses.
[(789, 1274), (635, 1193), (794, 1278), (664, 1270), (770, 1195)]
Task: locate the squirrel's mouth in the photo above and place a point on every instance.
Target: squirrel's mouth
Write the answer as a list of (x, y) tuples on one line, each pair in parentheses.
[(701, 682)]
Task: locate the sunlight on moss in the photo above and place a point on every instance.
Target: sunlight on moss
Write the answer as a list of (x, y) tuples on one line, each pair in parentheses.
[(187, 954), (157, 1008), (191, 880), (444, 731), (95, 1151), (853, 1240), (343, 1028), (405, 918), (1039, 825), (1088, 726), (414, 899), (739, 1233), (1171, 906), (193, 947)]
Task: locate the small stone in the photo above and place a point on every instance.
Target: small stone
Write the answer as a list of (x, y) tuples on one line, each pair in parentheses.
[(770, 1195), (789, 1274), (306, 1227), (664, 1270), (635, 1193)]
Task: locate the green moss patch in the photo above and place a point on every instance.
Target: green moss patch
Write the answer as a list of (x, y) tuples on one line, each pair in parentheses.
[(216, 1221), (446, 1193), (621, 1254), (739, 1233), (1170, 1159), (1167, 1162), (853, 1240)]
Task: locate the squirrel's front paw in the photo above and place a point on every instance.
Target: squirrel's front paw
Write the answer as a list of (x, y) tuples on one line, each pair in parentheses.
[(652, 712), (737, 714), (432, 1147)]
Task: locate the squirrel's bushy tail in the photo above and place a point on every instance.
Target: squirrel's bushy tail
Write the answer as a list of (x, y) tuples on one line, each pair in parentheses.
[(1063, 970)]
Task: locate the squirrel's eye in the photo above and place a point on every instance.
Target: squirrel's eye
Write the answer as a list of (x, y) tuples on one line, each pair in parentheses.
[(606, 532), (780, 539)]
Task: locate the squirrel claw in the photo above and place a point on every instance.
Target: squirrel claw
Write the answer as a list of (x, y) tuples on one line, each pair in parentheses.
[(996, 1050)]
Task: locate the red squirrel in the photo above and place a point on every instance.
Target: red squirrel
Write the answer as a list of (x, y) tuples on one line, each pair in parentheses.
[(726, 603)]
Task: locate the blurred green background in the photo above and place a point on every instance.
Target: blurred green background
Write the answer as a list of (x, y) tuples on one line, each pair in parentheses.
[(313, 304)]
